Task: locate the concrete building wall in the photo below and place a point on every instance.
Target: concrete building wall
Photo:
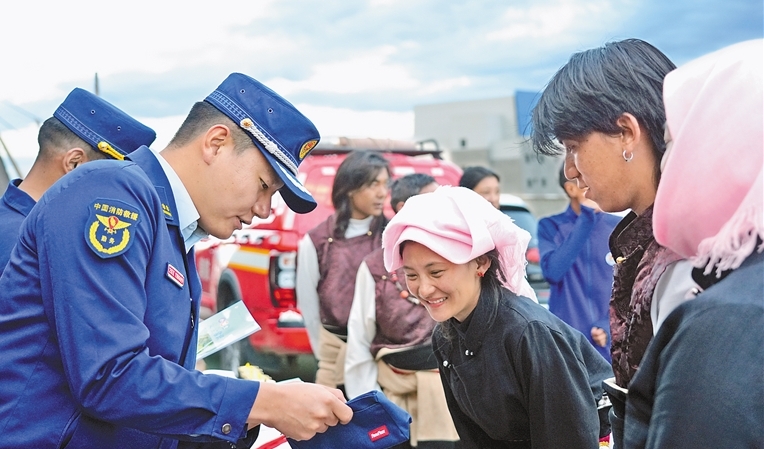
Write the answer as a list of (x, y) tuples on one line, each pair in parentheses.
[(485, 132)]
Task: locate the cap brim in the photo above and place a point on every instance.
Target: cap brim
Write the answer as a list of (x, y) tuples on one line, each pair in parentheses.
[(294, 193)]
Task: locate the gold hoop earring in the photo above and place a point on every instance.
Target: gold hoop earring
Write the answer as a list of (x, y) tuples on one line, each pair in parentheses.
[(628, 158)]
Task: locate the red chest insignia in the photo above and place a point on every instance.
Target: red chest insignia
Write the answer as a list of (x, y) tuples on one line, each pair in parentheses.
[(175, 276)]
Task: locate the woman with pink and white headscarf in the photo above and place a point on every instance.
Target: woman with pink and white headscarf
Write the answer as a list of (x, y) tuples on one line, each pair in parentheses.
[(701, 382), (514, 375)]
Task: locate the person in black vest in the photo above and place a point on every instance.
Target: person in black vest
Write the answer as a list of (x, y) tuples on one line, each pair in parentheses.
[(329, 255)]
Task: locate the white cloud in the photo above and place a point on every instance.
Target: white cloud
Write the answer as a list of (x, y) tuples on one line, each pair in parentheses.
[(369, 72), (556, 19), (22, 145), (339, 122), (445, 85), (70, 41)]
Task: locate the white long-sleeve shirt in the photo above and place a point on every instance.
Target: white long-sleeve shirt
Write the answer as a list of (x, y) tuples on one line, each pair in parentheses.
[(360, 367), (308, 275)]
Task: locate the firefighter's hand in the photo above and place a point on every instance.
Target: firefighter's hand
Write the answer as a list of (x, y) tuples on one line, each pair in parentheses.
[(299, 410)]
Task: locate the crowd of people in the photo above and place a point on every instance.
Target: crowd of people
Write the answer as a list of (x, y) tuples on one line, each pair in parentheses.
[(655, 317)]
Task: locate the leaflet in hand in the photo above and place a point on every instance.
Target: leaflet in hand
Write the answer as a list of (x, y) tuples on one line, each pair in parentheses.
[(225, 328)]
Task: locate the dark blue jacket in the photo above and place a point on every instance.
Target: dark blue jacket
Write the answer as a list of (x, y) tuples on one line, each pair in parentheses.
[(576, 261), (14, 207), (701, 381), (99, 341)]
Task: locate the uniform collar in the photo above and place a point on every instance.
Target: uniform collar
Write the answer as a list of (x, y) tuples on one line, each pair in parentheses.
[(152, 165), (17, 199), (188, 216)]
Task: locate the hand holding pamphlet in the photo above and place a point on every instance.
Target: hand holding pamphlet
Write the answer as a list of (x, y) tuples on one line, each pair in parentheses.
[(225, 328)]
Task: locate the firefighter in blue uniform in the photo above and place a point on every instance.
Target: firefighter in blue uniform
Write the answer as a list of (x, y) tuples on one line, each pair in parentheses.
[(83, 128), (101, 297)]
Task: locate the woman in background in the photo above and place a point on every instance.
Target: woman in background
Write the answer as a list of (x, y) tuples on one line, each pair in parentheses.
[(484, 181), (329, 255)]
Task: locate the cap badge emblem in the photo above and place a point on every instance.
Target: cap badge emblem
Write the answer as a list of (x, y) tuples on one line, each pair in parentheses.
[(306, 147)]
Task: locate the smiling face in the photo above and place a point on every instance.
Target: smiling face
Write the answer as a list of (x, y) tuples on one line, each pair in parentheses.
[(240, 186), (445, 289), (370, 199)]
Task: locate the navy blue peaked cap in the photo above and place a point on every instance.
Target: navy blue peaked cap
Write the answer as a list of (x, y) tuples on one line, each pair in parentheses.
[(277, 128), (102, 125)]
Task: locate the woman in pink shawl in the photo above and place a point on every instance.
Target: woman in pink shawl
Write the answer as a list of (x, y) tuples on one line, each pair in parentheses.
[(515, 376), (701, 382)]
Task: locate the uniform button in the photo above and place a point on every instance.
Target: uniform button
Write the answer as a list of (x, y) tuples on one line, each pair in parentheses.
[(466, 352), (445, 363), (226, 429)]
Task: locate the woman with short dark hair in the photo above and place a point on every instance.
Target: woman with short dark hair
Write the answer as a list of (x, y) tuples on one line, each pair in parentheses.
[(605, 108)]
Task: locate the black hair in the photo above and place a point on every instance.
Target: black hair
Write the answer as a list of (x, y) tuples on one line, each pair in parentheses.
[(595, 88), (54, 137), (408, 186), (359, 169), (471, 176), (202, 117)]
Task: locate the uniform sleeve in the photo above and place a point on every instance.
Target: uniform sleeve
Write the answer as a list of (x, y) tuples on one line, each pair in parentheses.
[(562, 411), (306, 288), (360, 367), (557, 253), (116, 368)]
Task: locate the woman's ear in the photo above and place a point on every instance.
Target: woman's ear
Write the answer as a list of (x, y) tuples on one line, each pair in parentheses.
[(483, 263), (631, 131)]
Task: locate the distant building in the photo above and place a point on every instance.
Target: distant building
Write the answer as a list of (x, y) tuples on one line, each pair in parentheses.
[(494, 133)]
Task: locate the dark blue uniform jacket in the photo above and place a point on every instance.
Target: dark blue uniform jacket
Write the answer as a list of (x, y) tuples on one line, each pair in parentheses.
[(98, 336), (14, 207)]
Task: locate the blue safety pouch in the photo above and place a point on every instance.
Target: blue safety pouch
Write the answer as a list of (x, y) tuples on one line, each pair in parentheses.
[(377, 424)]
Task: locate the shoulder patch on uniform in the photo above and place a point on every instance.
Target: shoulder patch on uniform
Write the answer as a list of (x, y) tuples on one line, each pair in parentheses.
[(108, 230)]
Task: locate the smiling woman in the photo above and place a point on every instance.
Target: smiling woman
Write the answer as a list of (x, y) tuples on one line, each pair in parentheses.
[(501, 355)]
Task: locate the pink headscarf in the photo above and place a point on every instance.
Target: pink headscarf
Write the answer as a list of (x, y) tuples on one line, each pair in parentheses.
[(460, 225), (710, 199)]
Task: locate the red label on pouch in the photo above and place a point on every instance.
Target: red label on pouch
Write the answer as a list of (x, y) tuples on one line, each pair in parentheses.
[(174, 275), (379, 432)]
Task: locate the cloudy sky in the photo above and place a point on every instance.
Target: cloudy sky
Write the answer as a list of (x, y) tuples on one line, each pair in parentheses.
[(355, 67)]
